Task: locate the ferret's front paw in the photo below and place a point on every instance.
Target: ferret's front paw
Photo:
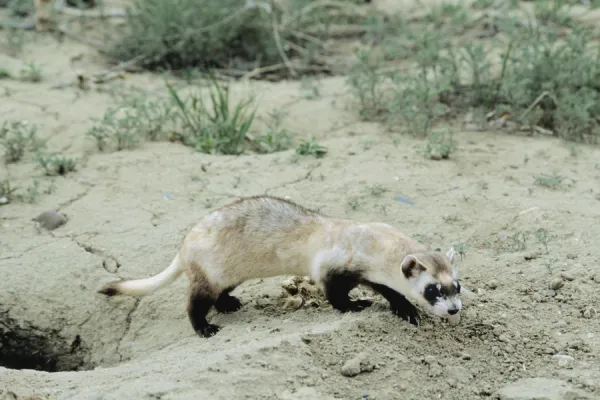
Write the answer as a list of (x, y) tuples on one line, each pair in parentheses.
[(208, 331), (408, 313)]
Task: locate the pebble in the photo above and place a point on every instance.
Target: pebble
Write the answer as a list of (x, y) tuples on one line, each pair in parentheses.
[(563, 359), (588, 313), (429, 360), (503, 338), (293, 303), (355, 365), (566, 275), (492, 284), (454, 319), (556, 283), (3, 200), (50, 219)]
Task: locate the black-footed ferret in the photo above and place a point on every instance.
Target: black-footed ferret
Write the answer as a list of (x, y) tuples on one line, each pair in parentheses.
[(265, 236)]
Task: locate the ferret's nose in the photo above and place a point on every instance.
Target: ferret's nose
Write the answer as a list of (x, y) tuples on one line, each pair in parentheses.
[(453, 311)]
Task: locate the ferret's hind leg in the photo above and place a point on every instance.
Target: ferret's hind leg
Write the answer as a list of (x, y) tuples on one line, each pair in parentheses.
[(337, 286), (226, 303), (202, 296)]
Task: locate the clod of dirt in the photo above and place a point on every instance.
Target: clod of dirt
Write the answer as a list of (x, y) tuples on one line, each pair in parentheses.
[(492, 284), (563, 359), (556, 283), (303, 293), (454, 319), (356, 365), (588, 313), (50, 220), (293, 303), (540, 388)]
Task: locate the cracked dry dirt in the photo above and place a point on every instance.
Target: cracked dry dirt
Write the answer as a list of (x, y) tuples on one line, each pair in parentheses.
[(128, 212)]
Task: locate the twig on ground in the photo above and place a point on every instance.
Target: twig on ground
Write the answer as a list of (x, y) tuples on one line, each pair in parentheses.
[(102, 76), (536, 102), (277, 39)]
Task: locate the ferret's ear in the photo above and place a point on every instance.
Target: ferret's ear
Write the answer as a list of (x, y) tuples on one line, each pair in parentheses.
[(411, 266), (451, 254)]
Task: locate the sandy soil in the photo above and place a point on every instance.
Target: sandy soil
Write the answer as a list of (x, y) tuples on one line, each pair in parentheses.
[(128, 211)]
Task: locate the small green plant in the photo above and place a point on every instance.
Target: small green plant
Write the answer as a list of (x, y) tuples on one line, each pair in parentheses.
[(366, 81), (115, 130), (7, 191), (355, 203), (32, 72), (377, 189), (518, 241), (276, 138), (222, 131), (552, 11), (151, 117), (439, 145), (55, 164), (4, 73), (544, 237), (311, 148), (17, 137), (461, 249), (415, 104), (550, 181)]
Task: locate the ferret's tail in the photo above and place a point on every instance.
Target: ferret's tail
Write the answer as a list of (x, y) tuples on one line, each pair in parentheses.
[(141, 287)]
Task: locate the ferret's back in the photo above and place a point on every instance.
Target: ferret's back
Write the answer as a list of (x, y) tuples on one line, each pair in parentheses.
[(262, 214)]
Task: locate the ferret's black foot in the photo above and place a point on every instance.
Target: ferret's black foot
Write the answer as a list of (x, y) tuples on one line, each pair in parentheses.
[(208, 330), (227, 303), (399, 304), (359, 305), (408, 313)]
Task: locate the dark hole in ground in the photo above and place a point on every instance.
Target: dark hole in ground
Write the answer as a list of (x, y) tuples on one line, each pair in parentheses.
[(23, 346)]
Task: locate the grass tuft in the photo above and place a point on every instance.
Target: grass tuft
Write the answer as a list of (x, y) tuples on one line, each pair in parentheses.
[(17, 137), (538, 78)]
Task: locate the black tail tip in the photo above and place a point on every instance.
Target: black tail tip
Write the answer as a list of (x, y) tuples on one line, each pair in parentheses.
[(109, 289)]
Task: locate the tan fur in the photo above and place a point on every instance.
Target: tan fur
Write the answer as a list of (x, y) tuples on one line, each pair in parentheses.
[(264, 236)]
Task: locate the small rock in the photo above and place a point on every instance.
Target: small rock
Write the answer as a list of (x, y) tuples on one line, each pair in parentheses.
[(588, 313), (563, 359), (503, 338), (291, 285), (351, 367), (3, 200), (454, 319), (465, 356), (435, 155), (355, 365), (293, 303), (532, 255), (492, 284), (556, 283), (50, 219), (567, 276), (540, 388), (429, 360)]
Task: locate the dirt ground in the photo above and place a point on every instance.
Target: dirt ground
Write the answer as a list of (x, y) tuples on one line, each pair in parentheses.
[(128, 212)]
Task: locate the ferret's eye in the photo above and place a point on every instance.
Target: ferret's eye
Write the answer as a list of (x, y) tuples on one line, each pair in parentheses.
[(432, 292)]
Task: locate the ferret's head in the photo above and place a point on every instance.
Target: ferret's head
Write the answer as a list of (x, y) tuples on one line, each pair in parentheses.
[(433, 282)]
